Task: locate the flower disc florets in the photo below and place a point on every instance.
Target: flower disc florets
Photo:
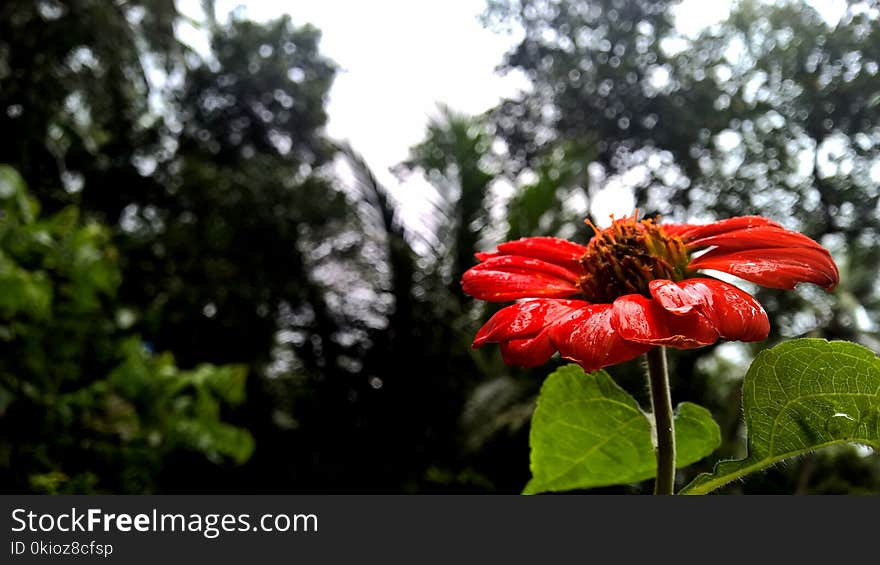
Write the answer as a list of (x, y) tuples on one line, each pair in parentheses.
[(625, 257)]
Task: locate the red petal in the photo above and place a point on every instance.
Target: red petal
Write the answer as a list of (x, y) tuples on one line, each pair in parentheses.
[(734, 314), (530, 332), (524, 319), (642, 320), (528, 352), (774, 268), (587, 337), (523, 329), (551, 249), (761, 237), (485, 256), (689, 232), (672, 297), (526, 265), (506, 277)]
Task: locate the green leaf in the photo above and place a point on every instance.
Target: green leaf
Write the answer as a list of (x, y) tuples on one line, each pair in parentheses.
[(23, 291), (588, 432), (14, 198), (799, 396), (216, 439)]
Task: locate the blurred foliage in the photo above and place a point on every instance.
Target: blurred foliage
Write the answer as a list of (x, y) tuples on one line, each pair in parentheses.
[(246, 236), (75, 94), (84, 405)]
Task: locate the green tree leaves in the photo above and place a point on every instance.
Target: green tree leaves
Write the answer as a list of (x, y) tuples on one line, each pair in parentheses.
[(175, 408), (588, 432), (85, 405), (800, 396)]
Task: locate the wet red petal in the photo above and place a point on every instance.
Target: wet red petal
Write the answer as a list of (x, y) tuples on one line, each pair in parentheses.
[(484, 256), (586, 336), (690, 232), (524, 319), (494, 286), (526, 265), (774, 268), (508, 277), (760, 237), (530, 332), (523, 329), (672, 297), (529, 352), (642, 320), (551, 249), (734, 314)]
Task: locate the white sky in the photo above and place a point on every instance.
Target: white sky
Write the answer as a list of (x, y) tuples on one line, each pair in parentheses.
[(399, 58)]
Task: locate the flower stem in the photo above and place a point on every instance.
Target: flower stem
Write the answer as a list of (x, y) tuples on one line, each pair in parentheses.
[(661, 405)]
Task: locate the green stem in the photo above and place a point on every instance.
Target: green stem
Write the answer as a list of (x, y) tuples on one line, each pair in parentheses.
[(661, 406)]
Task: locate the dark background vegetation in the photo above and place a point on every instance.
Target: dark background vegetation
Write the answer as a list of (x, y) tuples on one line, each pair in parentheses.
[(195, 298)]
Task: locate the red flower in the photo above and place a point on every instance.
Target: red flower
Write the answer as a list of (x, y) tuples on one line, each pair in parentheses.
[(635, 286)]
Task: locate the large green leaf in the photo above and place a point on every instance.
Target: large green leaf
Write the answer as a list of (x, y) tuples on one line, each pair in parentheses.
[(799, 396), (588, 432)]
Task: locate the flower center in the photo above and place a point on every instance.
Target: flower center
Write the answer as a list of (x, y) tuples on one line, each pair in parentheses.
[(624, 258)]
